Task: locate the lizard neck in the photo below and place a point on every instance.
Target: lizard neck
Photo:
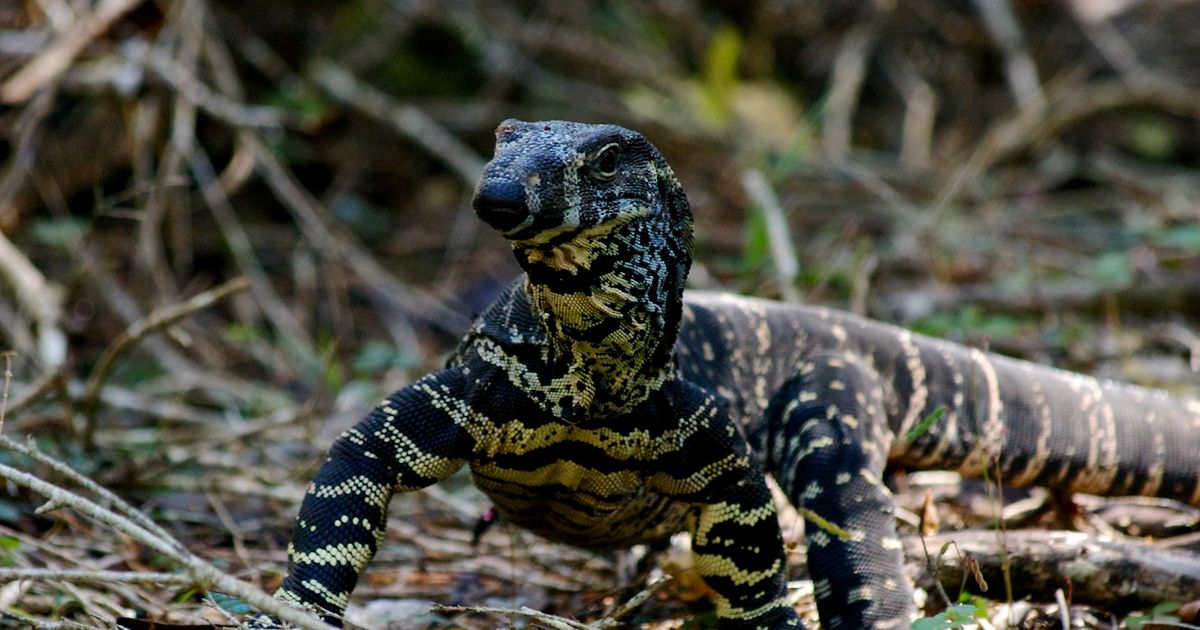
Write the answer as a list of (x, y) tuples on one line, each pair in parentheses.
[(610, 298)]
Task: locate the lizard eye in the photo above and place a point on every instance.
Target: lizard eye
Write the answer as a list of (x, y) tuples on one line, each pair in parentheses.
[(604, 165)]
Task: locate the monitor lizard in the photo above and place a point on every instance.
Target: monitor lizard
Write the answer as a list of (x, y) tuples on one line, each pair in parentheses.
[(598, 403)]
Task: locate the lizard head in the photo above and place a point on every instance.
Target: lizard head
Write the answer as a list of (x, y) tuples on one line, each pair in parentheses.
[(603, 230), (553, 182)]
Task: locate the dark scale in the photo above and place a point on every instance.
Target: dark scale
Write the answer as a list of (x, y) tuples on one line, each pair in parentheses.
[(597, 404)]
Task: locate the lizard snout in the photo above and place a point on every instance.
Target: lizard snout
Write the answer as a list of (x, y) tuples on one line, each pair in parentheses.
[(500, 202)]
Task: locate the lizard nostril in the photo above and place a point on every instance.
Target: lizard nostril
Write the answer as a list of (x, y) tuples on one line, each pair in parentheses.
[(500, 202)]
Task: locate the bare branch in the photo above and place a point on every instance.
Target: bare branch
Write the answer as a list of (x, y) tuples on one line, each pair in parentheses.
[(202, 572), (1068, 104), (159, 319), (1101, 571), (778, 235), (45, 68), (111, 499), (409, 120), (91, 576), (1019, 68), (334, 242), (39, 297)]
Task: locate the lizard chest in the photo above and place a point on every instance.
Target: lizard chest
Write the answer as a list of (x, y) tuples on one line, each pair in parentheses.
[(590, 487)]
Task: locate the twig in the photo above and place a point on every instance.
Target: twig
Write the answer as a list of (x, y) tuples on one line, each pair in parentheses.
[(1102, 571), (7, 380), (17, 329), (27, 137), (1064, 609), (243, 254), (202, 572), (409, 120), (110, 498), (332, 241), (113, 294), (45, 68), (905, 210), (38, 624), (157, 320), (185, 83), (226, 519), (553, 621), (1019, 69), (613, 619), (39, 297), (35, 390), (1067, 104), (849, 70), (779, 237), (920, 113), (92, 576), (1113, 46), (928, 526)]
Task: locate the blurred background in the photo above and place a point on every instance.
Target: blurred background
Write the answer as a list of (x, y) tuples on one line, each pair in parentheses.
[(228, 228)]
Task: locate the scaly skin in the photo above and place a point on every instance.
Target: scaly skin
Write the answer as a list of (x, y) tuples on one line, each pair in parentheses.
[(597, 404)]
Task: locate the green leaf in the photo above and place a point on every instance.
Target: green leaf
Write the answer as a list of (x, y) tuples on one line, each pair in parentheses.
[(924, 426), (824, 524), (1152, 138), (756, 243), (1113, 269), (1162, 609), (8, 547), (59, 232), (1185, 237), (231, 604), (935, 622), (719, 76)]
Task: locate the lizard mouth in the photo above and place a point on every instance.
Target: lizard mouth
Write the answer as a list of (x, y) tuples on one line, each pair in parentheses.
[(571, 229), (572, 247)]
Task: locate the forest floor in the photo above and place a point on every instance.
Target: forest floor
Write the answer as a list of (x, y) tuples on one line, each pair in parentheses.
[(228, 229)]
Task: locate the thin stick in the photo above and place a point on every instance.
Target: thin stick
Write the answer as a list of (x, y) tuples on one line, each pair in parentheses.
[(556, 622), (46, 382), (849, 71), (239, 243), (38, 624), (106, 495), (93, 576), (185, 83), (332, 241), (409, 120), (1068, 104), (7, 379), (202, 572), (1019, 68), (778, 235), (1064, 609), (45, 68), (613, 619), (26, 138), (40, 297), (157, 320)]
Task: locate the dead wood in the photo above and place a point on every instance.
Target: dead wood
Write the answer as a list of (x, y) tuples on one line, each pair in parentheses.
[(1119, 576)]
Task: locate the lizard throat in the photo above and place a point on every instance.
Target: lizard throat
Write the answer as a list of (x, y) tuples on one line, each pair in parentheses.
[(609, 306)]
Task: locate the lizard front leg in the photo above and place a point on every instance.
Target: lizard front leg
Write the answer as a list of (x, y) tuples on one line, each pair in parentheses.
[(736, 541), (412, 440), (739, 552), (827, 445)]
